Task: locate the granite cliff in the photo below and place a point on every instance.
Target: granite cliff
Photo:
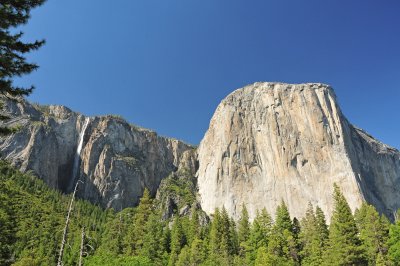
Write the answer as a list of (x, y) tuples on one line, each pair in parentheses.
[(116, 160), (269, 142), (266, 142)]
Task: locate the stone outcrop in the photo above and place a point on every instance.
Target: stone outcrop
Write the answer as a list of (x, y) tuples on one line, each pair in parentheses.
[(269, 142), (117, 161)]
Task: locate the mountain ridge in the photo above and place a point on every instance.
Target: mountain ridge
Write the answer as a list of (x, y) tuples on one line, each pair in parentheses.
[(300, 126)]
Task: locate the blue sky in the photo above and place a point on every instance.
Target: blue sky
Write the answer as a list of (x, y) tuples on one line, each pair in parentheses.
[(166, 65)]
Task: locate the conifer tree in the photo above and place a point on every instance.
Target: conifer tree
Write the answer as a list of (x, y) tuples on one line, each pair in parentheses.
[(308, 236), (112, 240), (394, 243), (344, 245), (133, 241), (197, 252), (234, 238), (313, 237), (12, 50), (177, 241), (244, 225), (194, 229), (262, 257), (373, 232), (259, 234), (282, 245), (243, 230), (153, 247), (227, 242), (220, 242), (7, 228), (322, 227), (214, 236), (184, 257)]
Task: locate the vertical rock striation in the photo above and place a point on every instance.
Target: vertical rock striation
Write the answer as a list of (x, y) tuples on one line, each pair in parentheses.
[(116, 160), (269, 142)]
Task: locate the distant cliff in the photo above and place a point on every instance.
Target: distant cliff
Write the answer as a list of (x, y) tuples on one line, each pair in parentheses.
[(116, 161), (269, 142)]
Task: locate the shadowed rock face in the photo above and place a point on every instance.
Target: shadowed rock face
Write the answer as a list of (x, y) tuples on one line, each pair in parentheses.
[(266, 143), (269, 142), (117, 160)]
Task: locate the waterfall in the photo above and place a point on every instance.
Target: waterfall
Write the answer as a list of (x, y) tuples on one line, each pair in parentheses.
[(77, 157)]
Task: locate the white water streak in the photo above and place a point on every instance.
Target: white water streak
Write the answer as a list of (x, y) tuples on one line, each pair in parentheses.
[(77, 157)]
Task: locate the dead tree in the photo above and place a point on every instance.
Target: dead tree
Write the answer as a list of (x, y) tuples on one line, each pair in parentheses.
[(82, 246), (64, 238)]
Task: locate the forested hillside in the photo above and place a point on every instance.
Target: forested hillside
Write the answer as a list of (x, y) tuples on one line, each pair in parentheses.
[(32, 218)]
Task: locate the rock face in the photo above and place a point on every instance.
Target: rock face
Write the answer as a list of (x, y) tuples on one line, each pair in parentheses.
[(266, 143), (117, 160), (269, 142)]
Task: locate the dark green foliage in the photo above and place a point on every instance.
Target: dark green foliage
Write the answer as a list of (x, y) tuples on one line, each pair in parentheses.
[(178, 189), (133, 241), (115, 229), (222, 239), (139, 236), (13, 49), (394, 243), (374, 233), (344, 245), (198, 253), (244, 226), (110, 260), (260, 232), (7, 229), (282, 245), (37, 215), (243, 231), (313, 236), (178, 240), (322, 227)]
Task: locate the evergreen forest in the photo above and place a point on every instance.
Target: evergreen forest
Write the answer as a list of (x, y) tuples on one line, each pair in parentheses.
[(32, 219)]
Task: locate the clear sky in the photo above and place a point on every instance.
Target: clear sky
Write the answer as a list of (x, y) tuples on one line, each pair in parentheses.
[(166, 64)]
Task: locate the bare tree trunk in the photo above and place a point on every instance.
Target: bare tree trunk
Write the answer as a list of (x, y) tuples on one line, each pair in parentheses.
[(82, 246), (64, 239)]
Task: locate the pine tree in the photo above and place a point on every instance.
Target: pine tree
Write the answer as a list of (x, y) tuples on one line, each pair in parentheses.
[(234, 238), (308, 236), (282, 245), (259, 234), (394, 243), (194, 225), (184, 257), (344, 245), (244, 225), (214, 236), (133, 241), (153, 247), (262, 257), (220, 241), (313, 236), (177, 241), (112, 240), (197, 252), (12, 50), (322, 227), (374, 232), (7, 229), (227, 245), (243, 231)]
